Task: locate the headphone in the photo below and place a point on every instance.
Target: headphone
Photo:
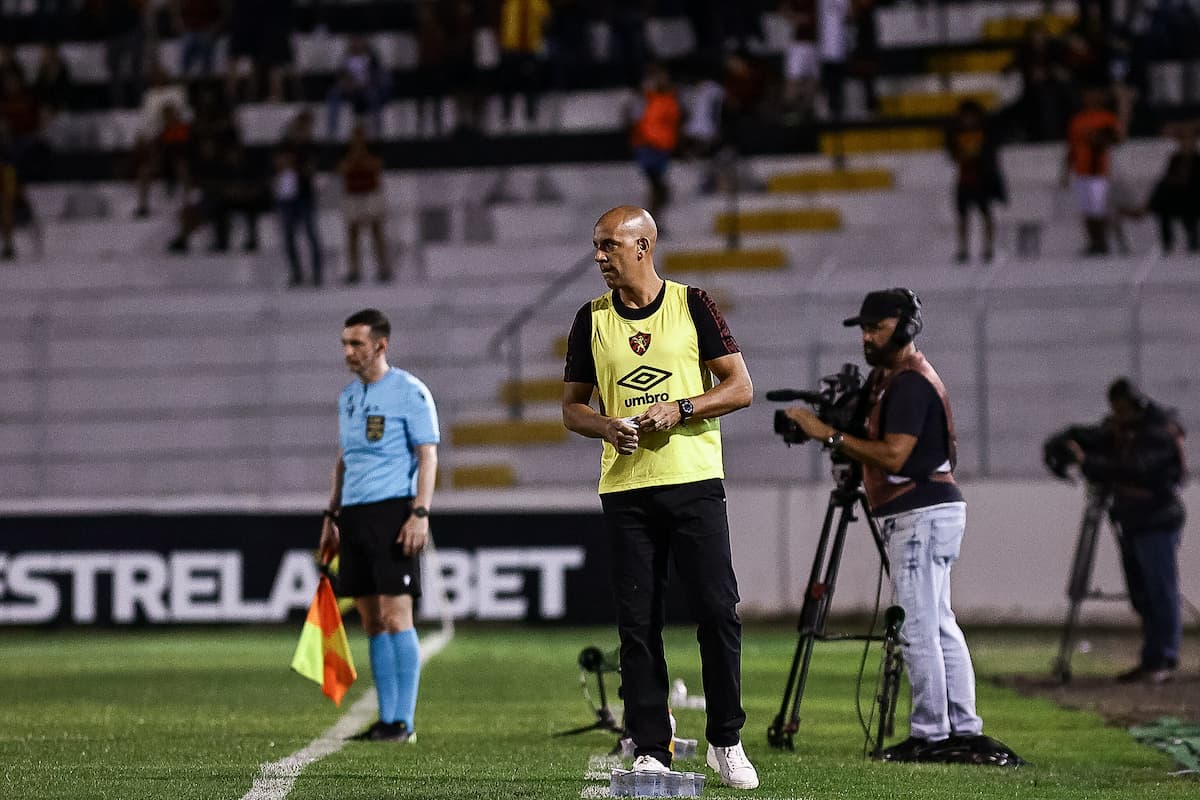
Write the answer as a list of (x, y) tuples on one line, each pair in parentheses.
[(909, 324), (1127, 390)]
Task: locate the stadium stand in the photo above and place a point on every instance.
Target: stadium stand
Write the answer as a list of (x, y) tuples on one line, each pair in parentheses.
[(127, 372)]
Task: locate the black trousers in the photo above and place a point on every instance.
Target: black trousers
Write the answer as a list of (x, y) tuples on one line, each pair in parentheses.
[(648, 528)]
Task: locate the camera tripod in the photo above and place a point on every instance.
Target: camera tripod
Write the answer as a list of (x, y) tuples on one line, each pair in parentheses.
[(846, 498), (1079, 584)]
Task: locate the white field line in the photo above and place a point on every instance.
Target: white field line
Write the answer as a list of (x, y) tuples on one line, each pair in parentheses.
[(276, 778)]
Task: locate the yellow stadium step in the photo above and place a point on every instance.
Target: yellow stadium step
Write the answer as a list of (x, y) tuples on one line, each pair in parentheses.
[(933, 104), (850, 180), (970, 61), (508, 432), (725, 260), (560, 346), (883, 140), (1009, 27), (779, 220), (484, 476), (538, 390)]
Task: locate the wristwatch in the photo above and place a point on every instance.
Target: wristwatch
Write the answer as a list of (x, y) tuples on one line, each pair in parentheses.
[(686, 409), (420, 511), (833, 441)]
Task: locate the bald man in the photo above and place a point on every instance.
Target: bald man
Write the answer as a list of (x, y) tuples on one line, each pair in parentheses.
[(665, 366)]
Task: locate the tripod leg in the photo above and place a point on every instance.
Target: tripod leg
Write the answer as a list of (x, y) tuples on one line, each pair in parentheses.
[(1079, 585), (817, 603), (777, 736), (779, 733)]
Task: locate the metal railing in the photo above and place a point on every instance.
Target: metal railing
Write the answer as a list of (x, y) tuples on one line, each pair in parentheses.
[(507, 340)]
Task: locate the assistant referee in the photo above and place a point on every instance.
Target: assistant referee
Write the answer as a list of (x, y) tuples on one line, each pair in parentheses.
[(654, 351), (378, 514)]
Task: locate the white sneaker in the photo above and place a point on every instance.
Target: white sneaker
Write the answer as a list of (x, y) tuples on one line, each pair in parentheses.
[(733, 766), (649, 764)]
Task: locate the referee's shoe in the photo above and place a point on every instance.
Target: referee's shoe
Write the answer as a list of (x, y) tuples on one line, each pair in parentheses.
[(387, 732)]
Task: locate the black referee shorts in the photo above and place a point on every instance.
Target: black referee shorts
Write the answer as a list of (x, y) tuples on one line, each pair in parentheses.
[(372, 562)]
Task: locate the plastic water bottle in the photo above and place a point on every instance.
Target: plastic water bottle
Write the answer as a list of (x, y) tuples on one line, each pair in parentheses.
[(683, 748), (678, 697)]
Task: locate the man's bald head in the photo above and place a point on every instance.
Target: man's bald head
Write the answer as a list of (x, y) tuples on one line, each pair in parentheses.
[(630, 221)]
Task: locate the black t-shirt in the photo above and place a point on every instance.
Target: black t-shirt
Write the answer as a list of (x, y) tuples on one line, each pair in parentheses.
[(911, 405), (712, 332)]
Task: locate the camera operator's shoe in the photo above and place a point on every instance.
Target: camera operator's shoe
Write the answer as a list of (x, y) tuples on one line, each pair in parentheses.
[(733, 766), (649, 764), (387, 732), (1152, 675), (972, 749), (910, 750)]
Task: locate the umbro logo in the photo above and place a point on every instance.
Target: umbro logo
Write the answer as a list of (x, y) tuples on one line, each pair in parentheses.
[(644, 378)]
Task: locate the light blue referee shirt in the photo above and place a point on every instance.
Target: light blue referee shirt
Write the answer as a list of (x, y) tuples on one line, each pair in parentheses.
[(380, 426)]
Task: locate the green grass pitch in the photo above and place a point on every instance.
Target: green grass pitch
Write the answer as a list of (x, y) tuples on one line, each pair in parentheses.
[(182, 714)]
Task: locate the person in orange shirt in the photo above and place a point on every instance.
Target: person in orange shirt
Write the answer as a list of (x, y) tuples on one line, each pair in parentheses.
[(655, 135), (1091, 135)]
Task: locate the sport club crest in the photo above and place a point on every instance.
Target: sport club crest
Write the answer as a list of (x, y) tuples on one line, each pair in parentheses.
[(639, 343)]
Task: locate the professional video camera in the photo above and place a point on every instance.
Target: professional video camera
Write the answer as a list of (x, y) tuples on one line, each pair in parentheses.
[(837, 404), (1057, 454)]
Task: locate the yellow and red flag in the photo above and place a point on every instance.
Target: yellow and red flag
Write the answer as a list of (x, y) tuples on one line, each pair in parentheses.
[(323, 654)]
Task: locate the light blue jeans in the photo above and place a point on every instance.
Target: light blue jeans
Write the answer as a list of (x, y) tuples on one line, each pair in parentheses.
[(922, 545)]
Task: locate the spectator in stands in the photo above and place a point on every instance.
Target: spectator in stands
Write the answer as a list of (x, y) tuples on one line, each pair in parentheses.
[(10, 64), (122, 23), (165, 155), (22, 116), (10, 190), (363, 82), (433, 52), (226, 183), (864, 59), (833, 43), (15, 208), (1091, 136), (1176, 195), (801, 63), (296, 197), (52, 82), (747, 86), (157, 151), (974, 148), (364, 205), (199, 24), (1044, 87), (655, 134), (701, 136), (462, 69), (522, 46), (260, 43)]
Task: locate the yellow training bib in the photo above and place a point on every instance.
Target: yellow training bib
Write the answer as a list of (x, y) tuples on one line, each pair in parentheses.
[(646, 361)]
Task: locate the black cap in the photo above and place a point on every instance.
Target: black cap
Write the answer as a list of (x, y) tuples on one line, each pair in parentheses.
[(881, 305)]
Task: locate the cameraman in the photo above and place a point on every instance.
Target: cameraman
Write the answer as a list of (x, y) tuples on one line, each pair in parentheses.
[(907, 459), (1136, 455)]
